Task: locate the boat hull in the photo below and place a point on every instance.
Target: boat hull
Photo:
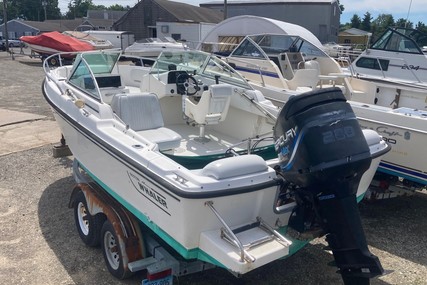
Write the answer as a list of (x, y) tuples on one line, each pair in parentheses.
[(405, 133), (180, 218)]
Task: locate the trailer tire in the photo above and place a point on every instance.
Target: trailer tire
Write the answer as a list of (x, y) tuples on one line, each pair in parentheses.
[(54, 61), (88, 226), (113, 252)]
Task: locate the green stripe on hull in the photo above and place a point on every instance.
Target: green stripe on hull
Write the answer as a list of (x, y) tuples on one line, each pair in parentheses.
[(188, 254), (360, 198), (194, 253)]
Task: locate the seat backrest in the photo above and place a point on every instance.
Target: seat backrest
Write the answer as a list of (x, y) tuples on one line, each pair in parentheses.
[(139, 111), (213, 106), (220, 99), (295, 58), (304, 78)]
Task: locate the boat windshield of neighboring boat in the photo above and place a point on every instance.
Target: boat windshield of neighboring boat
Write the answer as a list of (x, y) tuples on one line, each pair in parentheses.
[(397, 57), (270, 45), (401, 40), (152, 47), (281, 60)]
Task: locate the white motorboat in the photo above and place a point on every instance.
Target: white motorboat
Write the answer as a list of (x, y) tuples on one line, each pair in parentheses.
[(285, 64), (187, 147), (152, 47), (97, 43), (396, 58)]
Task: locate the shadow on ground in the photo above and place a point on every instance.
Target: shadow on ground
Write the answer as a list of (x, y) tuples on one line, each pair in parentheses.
[(398, 226)]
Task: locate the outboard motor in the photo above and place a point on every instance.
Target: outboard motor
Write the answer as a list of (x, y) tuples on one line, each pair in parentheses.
[(322, 156)]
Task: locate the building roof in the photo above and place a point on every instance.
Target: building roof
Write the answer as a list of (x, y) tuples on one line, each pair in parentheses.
[(66, 25), (105, 14), (231, 2), (189, 13), (355, 32), (47, 26), (100, 23), (186, 13)]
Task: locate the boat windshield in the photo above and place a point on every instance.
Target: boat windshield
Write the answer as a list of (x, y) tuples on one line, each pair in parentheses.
[(88, 65), (401, 40), (101, 62), (266, 45), (198, 63)]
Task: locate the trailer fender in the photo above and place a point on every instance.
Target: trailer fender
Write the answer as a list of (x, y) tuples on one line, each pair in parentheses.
[(124, 223)]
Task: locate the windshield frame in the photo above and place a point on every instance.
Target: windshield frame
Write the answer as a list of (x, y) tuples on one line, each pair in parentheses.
[(393, 35), (295, 44), (88, 65), (198, 63)]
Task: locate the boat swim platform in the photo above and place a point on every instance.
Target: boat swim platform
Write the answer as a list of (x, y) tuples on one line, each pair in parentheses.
[(22, 131)]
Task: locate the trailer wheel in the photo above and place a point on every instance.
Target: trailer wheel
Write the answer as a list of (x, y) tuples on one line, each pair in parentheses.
[(53, 61), (113, 252), (88, 226)]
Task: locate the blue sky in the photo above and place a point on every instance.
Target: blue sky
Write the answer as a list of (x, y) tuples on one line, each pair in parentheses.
[(398, 8)]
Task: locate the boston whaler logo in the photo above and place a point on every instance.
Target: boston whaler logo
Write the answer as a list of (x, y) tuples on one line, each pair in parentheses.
[(149, 193)]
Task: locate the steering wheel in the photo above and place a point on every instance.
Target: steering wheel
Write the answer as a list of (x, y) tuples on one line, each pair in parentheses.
[(186, 84)]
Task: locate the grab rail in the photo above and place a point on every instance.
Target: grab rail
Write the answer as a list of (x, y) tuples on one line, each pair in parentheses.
[(249, 144), (402, 60), (244, 255), (256, 66), (47, 69), (228, 234)]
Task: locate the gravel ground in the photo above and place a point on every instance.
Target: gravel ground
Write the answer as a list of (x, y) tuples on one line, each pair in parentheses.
[(39, 243)]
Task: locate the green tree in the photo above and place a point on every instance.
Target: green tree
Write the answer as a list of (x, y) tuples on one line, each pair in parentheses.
[(32, 10), (78, 8), (355, 21), (117, 7), (381, 23), (341, 6), (404, 24), (420, 26), (366, 22)]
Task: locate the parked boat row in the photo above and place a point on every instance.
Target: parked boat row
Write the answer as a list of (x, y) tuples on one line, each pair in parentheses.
[(198, 160), (291, 62)]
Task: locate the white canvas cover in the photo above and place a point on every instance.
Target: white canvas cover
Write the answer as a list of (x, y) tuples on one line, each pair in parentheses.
[(251, 25)]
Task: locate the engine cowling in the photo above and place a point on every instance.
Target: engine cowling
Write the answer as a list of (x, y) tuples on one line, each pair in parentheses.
[(323, 153)]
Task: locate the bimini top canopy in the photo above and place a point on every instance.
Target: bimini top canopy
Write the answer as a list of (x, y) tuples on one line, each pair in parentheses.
[(241, 26)]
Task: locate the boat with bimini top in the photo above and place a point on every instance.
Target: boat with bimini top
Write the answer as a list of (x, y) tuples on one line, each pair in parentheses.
[(291, 61)]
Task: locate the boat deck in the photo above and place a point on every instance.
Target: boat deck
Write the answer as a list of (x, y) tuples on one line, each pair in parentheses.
[(195, 153), (214, 142)]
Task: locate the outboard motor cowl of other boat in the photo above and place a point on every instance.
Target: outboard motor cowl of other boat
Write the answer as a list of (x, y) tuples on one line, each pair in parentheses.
[(322, 156)]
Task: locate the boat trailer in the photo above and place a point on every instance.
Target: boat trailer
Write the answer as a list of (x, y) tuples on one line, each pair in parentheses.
[(128, 246)]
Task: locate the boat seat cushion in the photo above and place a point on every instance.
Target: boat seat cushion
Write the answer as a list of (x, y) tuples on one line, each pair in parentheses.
[(212, 107), (142, 113), (235, 166)]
